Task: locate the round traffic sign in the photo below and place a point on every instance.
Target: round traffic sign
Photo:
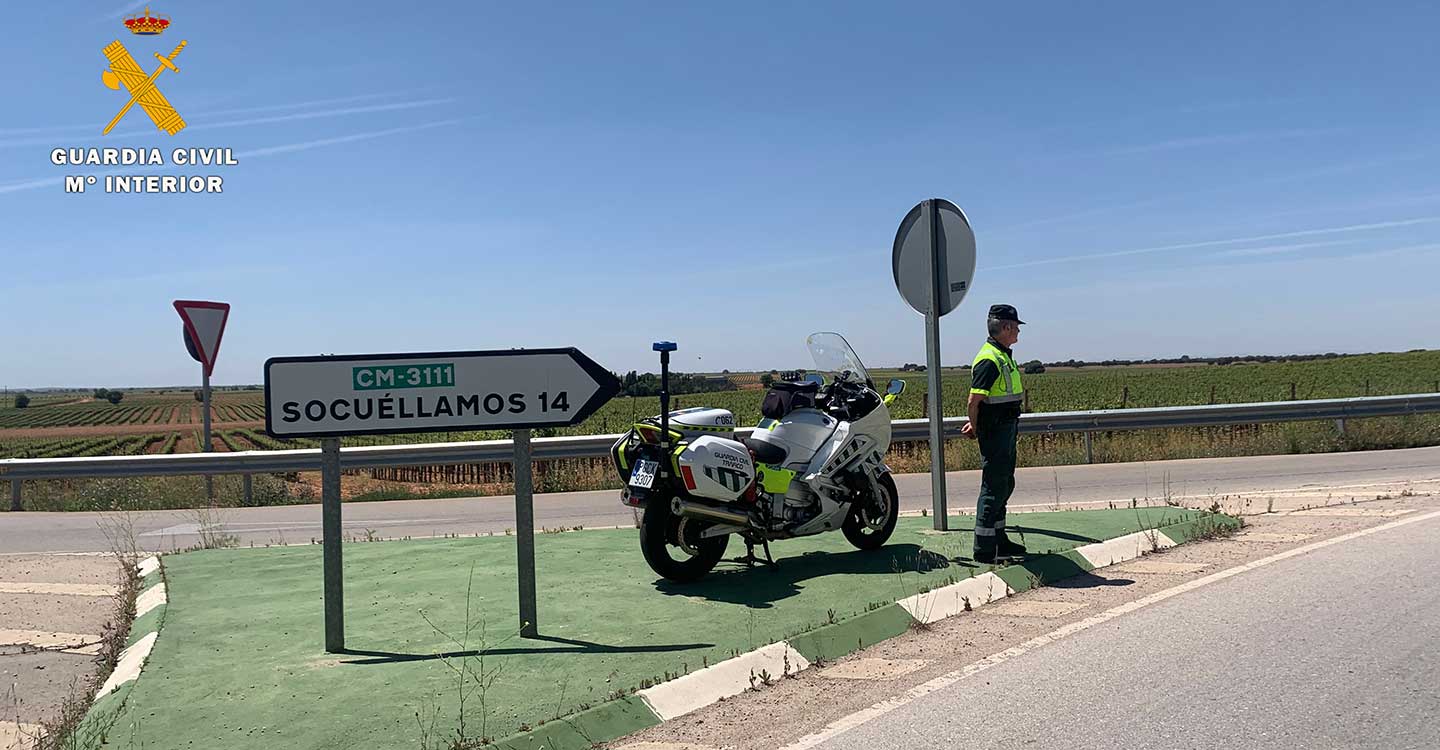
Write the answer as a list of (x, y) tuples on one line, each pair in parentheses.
[(934, 254)]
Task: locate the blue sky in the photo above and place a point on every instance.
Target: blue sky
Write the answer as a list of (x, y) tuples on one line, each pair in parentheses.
[(1144, 180)]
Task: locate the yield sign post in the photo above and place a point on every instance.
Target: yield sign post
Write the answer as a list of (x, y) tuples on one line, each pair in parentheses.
[(378, 394), (934, 261), (204, 327)]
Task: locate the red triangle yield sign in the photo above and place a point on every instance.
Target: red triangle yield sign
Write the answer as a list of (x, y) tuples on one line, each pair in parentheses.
[(204, 326)]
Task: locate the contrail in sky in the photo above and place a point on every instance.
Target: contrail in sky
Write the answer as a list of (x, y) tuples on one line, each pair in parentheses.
[(1213, 243)]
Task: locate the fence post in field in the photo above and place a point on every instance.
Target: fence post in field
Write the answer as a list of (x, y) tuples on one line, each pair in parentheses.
[(15, 504), (925, 403), (1292, 391), (247, 489), (1212, 395), (1367, 386), (1089, 450), (1124, 399)]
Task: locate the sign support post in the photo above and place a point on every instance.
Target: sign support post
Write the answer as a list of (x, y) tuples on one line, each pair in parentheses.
[(205, 418), (525, 533), (204, 326), (934, 261), (517, 390), (932, 371), (331, 531)]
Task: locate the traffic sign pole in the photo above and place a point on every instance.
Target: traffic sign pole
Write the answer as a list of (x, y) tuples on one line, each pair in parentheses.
[(331, 530), (525, 532), (933, 261), (205, 418), (932, 370)]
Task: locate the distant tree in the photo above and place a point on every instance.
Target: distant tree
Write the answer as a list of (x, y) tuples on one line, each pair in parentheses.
[(199, 395), (1033, 367), (21, 401), (101, 394), (114, 396), (767, 380)]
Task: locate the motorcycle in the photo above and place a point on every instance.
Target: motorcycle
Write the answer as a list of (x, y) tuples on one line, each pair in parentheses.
[(814, 463)]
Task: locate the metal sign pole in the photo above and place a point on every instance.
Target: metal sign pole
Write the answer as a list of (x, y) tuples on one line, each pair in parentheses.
[(525, 532), (932, 367), (205, 417), (331, 531)]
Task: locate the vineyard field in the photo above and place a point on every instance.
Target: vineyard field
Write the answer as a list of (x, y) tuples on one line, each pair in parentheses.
[(239, 415)]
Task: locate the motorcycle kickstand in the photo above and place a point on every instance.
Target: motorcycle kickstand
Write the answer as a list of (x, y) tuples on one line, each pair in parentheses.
[(749, 559), (768, 558)]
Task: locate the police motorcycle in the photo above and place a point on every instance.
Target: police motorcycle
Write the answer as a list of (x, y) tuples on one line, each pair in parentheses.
[(815, 463)]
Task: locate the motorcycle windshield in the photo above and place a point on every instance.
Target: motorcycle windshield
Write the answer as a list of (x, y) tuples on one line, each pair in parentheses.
[(832, 354)]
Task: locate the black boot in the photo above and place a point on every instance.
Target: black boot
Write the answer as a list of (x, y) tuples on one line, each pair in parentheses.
[(1006, 548)]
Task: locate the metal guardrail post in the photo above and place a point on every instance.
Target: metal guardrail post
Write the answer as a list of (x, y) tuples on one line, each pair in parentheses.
[(1089, 450), (1340, 425), (15, 504), (247, 490), (331, 529)]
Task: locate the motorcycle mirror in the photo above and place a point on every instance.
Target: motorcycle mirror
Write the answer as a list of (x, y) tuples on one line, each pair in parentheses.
[(896, 387)]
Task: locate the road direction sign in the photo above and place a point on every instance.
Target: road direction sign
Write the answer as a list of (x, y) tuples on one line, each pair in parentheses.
[(204, 327), (374, 394), (934, 244)]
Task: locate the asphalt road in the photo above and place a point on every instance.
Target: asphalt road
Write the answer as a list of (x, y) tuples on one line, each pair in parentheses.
[(1331, 649), (1037, 488)]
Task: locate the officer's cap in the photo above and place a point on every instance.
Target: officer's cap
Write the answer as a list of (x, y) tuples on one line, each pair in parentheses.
[(1005, 312)]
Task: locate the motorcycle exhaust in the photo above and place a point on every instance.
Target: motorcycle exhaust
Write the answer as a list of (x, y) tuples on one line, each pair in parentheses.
[(709, 512)]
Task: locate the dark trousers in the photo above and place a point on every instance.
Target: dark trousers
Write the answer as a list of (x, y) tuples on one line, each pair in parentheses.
[(997, 479)]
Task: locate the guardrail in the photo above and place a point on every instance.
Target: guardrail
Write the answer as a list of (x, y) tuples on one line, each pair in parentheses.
[(17, 470)]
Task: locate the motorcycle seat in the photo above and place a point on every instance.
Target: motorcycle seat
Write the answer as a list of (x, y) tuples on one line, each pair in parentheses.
[(766, 453)]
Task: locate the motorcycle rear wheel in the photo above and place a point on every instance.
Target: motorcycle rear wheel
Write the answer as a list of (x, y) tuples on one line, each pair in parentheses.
[(673, 547), (872, 520)]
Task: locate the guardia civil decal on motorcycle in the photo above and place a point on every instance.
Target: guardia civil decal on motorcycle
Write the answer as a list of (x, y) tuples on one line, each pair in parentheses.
[(815, 463)]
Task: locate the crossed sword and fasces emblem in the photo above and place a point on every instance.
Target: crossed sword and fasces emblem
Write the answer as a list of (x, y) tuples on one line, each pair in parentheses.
[(124, 70)]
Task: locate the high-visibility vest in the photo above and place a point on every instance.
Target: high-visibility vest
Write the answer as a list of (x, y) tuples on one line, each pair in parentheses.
[(1006, 388)]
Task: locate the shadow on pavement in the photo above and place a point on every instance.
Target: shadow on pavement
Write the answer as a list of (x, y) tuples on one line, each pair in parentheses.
[(568, 646)]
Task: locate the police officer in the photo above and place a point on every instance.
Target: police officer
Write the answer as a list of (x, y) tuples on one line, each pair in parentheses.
[(995, 399)]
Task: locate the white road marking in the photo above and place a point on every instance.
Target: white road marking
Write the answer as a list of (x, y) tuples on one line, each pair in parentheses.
[(1260, 536), (64, 589), (846, 723), (128, 668), (70, 643), (15, 735), (1371, 512), (872, 669), (1033, 608), (1156, 567), (664, 746)]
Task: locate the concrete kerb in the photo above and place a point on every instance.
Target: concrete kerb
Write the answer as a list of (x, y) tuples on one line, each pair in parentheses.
[(732, 677), (150, 607), (691, 692)]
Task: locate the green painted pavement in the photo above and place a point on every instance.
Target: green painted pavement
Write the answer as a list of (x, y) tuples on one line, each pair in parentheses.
[(240, 661)]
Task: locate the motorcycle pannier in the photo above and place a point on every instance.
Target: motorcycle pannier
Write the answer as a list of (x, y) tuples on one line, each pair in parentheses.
[(784, 398)]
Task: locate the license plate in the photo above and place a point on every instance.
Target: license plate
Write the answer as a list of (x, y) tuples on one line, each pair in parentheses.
[(644, 474)]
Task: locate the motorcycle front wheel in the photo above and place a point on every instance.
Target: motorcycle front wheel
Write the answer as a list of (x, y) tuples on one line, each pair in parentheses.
[(872, 519), (673, 547)]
